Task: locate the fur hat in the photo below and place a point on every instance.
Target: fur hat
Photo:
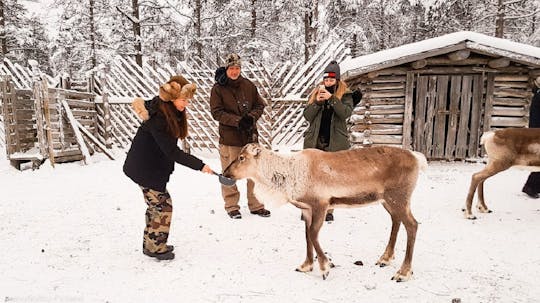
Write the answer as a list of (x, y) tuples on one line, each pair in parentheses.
[(177, 87), (537, 81), (233, 60), (332, 70)]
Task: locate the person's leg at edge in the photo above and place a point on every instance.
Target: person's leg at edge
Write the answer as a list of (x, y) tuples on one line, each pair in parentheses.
[(230, 194)]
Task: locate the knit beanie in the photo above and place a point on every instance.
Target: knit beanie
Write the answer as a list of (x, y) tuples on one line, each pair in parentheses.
[(332, 70), (233, 60)]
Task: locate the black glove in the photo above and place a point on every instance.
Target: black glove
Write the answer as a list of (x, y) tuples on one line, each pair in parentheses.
[(221, 76), (245, 123)]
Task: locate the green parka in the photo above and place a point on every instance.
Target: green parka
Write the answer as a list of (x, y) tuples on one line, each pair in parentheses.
[(339, 137)]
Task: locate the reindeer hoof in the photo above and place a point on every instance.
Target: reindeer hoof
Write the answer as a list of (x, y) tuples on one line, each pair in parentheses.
[(399, 277), (469, 216), (484, 210), (304, 268), (382, 262), (332, 265), (359, 263)]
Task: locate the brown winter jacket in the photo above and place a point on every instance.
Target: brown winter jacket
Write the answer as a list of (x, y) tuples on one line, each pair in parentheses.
[(228, 103)]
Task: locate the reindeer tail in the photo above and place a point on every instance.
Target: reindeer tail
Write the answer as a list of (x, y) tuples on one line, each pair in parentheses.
[(422, 161), (485, 136)]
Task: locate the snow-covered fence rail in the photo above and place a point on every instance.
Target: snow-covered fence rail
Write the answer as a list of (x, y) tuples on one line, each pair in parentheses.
[(300, 78), (284, 87), (20, 75)]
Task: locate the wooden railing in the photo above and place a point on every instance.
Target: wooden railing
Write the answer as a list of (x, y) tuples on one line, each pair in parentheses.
[(284, 86)]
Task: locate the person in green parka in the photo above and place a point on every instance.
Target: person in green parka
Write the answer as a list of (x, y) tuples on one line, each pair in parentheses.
[(329, 106)]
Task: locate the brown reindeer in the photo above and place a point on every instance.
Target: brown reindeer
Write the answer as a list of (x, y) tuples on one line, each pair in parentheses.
[(504, 148), (315, 181)]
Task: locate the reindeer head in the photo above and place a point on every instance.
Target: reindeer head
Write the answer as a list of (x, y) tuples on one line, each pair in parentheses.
[(245, 165)]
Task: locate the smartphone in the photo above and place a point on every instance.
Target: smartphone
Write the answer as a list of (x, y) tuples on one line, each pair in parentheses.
[(322, 87)]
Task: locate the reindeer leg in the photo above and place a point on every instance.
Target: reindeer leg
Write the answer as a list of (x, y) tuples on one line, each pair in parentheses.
[(405, 272), (316, 224), (388, 254), (308, 263), (482, 207), (477, 179), (470, 195)]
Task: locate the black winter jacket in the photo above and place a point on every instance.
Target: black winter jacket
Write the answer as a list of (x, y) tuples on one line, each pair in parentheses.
[(534, 110), (150, 160)]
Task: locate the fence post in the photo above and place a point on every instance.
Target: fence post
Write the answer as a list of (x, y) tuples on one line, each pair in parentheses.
[(41, 104), (107, 125), (65, 82), (90, 87), (6, 88)]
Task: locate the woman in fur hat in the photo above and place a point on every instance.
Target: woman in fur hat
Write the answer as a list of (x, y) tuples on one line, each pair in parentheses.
[(150, 160), (328, 108)]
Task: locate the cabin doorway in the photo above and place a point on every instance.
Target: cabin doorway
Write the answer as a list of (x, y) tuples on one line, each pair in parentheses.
[(447, 111)]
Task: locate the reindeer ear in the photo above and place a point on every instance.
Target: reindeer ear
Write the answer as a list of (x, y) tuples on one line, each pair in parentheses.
[(253, 149), (257, 151)]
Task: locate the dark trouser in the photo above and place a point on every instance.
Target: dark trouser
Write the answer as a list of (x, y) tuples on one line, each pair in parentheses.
[(323, 144), (158, 219), (532, 186)]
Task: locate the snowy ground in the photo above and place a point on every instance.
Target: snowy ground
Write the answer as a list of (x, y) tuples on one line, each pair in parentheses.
[(73, 234)]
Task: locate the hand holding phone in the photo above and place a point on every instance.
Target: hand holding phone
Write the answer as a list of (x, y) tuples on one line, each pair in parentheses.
[(322, 94)]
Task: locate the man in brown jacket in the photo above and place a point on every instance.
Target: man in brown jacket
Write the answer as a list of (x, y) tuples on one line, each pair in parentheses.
[(236, 104)]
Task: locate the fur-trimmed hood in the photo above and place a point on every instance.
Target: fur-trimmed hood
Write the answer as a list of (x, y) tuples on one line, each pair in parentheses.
[(140, 109)]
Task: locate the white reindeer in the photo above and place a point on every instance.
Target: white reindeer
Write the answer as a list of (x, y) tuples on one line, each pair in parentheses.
[(504, 148), (315, 181)]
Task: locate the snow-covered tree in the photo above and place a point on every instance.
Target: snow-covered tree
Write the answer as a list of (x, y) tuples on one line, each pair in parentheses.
[(36, 46), (12, 21)]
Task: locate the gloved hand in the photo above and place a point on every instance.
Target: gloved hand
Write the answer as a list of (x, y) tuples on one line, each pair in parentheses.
[(246, 122)]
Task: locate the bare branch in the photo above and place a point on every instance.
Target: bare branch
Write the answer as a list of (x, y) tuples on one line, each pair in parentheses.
[(130, 18), (522, 16)]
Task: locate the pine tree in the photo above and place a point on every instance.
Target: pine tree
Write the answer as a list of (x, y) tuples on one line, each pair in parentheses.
[(37, 45), (12, 33)]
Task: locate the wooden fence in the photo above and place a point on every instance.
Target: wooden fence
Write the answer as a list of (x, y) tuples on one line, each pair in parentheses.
[(285, 88), (104, 111), (41, 123)]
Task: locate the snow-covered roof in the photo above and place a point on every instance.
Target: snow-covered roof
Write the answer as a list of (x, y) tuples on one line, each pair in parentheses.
[(519, 52)]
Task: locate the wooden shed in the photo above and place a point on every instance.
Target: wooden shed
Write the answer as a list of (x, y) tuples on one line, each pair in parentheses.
[(439, 95)]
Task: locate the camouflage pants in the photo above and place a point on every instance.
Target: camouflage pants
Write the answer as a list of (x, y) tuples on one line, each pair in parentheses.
[(158, 219)]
